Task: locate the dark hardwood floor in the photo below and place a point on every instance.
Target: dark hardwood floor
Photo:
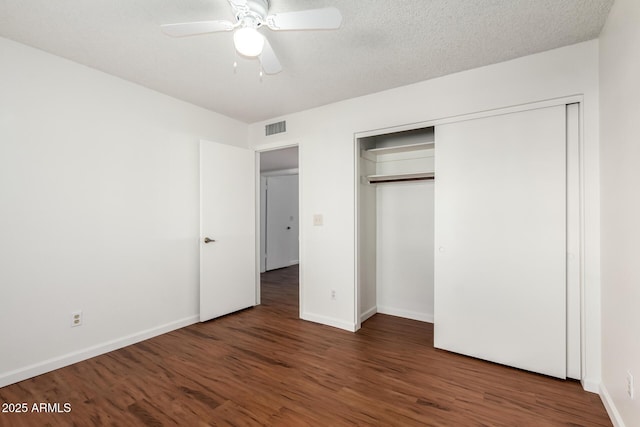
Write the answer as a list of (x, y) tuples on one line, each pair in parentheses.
[(263, 366)]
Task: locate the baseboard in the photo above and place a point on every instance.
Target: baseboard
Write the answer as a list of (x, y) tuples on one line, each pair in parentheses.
[(329, 321), (367, 314), (414, 315), (49, 365), (616, 419), (590, 385)]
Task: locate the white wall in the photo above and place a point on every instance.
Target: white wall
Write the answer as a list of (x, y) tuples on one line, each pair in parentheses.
[(327, 167), (99, 210), (620, 111), (405, 249)]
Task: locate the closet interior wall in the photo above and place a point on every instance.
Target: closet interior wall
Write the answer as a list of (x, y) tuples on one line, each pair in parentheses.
[(395, 208)]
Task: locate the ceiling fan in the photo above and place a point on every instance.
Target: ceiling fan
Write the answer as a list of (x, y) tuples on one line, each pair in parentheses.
[(251, 15)]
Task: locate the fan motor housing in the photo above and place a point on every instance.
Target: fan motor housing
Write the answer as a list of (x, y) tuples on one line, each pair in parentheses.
[(257, 9)]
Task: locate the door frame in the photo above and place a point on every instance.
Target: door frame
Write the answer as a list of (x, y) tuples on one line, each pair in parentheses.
[(258, 150), (575, 160)]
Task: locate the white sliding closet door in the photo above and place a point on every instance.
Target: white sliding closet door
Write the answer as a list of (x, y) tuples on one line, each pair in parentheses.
[(500, 239)]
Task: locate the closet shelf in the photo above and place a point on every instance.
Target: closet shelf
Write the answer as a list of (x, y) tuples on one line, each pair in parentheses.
[(420, 176), (401, 148)]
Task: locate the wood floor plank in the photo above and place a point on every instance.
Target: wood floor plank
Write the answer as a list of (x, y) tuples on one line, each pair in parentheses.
[(264, 366)]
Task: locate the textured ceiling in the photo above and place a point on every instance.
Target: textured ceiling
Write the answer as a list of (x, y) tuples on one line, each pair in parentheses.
[(382, 44)]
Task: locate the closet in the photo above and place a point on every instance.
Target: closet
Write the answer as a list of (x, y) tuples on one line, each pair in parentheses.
[(396, 191), (474, 224)]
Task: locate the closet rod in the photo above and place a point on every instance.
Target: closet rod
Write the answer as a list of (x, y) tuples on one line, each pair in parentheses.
[(383, 180)]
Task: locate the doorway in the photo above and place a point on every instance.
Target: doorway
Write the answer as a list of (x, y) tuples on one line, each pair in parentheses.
[(279, 222)]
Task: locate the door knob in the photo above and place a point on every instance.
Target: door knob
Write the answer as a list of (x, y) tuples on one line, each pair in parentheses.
[(208, 240), (288, 228)]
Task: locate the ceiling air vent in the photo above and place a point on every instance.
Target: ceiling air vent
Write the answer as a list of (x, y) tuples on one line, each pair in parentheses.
[(274, 128)]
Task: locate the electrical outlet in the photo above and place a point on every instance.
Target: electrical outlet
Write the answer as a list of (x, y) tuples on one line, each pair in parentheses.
[(76, 318), (333, 294), (630, 387), (318, 220)]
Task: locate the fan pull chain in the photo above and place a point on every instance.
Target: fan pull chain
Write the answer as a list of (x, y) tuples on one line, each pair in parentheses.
[(235, 62)]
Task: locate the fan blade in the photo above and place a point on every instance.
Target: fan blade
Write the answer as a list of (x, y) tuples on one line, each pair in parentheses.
[(193, 28), (269, 60), (328, 18)]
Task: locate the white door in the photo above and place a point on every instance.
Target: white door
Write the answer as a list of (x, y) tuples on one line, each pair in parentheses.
[(227, 223), (500, 239), (282, 221)]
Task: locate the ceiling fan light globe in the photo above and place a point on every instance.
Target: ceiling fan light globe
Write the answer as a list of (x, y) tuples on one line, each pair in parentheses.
[(248, 41)]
